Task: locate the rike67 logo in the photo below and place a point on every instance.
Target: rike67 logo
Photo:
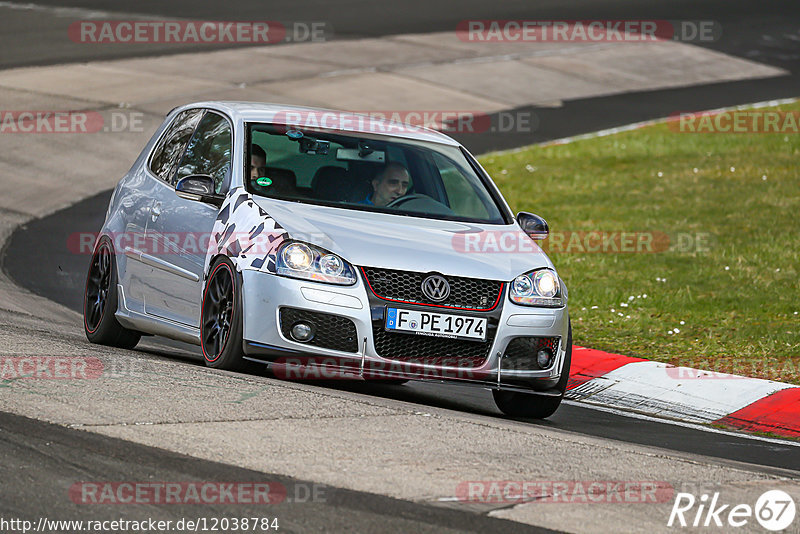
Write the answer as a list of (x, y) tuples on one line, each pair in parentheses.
[(774, 510)]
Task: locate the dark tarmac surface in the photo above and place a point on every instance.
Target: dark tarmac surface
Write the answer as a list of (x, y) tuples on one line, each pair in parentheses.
[(41, 461), (61, 275), (766, 32), (44, 465)]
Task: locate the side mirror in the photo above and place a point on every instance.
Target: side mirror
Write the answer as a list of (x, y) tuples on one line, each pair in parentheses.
[(533, 225), (199, 187)]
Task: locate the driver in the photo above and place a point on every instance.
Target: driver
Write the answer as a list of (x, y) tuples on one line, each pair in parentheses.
[(391, 184)]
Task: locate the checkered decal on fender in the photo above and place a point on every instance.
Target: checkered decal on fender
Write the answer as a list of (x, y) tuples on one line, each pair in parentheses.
[(246, 234)]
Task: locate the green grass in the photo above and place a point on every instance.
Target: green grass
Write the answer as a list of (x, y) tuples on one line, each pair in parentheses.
[(742, 319)]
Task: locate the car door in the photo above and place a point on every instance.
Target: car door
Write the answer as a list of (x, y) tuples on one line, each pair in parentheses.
[(182, 228), (137, 274)]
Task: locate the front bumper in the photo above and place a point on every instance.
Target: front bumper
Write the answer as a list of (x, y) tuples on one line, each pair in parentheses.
[(265, 294)]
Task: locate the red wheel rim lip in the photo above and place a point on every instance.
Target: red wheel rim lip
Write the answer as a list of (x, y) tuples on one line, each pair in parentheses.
[(233, 308)]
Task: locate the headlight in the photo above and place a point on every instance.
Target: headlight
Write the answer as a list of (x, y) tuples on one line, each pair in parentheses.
[(522, 286), (545, 283), (297, 256), (331, 265), (299, 260), (537, 288)]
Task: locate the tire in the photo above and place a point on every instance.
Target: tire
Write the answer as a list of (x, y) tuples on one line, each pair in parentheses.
[(100, 301), (221, 327), (516, 404)]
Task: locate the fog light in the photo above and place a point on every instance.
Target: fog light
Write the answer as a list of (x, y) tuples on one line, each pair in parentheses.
[(544, 358), (302, 332)]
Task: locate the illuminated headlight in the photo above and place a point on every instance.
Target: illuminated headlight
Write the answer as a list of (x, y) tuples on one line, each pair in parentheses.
[(297, 256), (299, 260), (537, 288), (545, 283)]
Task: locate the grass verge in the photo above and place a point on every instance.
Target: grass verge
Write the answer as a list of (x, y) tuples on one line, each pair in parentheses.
[(719, 287)]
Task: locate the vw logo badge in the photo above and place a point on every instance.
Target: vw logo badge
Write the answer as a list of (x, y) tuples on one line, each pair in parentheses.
[(436, 288)]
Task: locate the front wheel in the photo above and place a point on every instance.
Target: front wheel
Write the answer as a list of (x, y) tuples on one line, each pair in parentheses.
[(536, 406), (221, 320), (100, 301)]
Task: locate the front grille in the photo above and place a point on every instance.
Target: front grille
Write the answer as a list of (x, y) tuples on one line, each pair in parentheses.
[(406, 286), (520, 354), (428, 350), (330, 331)]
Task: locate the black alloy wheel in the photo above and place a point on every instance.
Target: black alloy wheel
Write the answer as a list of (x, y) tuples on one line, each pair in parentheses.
[(221, 318), (100, 301), (98, 285)]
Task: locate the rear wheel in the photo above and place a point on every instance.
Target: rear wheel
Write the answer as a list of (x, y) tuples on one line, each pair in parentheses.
[(221, 320), (100, 301), (536, 406)]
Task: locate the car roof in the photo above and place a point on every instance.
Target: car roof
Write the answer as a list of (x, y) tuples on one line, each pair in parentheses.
[(327, 119)]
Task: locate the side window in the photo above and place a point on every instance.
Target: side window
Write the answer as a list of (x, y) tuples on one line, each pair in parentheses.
[(284, 153), (209, 152), (172, 144)]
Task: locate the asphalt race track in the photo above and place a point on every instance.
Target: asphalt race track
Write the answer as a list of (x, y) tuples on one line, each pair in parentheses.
[(762, 31), (41, 460), (66, 287), (765, 32), (53, 456)]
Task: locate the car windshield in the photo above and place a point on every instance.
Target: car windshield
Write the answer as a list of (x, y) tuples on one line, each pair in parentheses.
[(367, 172)]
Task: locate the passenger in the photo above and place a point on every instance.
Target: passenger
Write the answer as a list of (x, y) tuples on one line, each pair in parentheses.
[(258, 162), (391, 184), (281, 181)]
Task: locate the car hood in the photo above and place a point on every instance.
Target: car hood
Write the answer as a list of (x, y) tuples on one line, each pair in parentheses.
[(496, 252)]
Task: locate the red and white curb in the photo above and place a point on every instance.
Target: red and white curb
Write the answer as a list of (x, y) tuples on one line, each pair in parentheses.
[(684, 394)]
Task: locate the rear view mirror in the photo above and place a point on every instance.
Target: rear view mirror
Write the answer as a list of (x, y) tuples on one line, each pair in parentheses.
[(363, 153), (533, 225), (199, 187)]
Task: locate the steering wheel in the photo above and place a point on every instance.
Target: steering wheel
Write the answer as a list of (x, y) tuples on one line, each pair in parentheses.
[(405, 198)]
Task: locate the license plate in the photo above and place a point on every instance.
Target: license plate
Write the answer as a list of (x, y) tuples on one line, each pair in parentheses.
[(436, 324)]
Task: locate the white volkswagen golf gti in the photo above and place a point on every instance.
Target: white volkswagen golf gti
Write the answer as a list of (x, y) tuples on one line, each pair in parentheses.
[(312, 238)]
